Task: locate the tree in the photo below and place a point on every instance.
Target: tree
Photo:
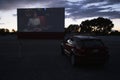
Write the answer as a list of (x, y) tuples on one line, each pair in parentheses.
[(72, 28), (86, 26), (4, 31), (7, 30), (115, 32), (13, 31), (99, 25)]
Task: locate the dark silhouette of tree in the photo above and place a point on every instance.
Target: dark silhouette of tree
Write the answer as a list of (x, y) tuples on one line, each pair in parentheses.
[(72, 28), (115, 32), (7, 31), (13, 31), (98, 26), (86, 26), (4, 31)]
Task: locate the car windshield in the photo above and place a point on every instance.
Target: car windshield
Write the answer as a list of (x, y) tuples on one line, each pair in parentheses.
[(90, 43)]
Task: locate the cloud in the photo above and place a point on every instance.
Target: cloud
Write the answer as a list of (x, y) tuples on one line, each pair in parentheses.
[(13, 4), (74, 9), (93, 8), (114, 1), (97, 1), (14, 15), (89, 8), (2, 23)]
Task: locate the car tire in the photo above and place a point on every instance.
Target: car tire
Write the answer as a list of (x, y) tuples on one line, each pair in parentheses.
[(106, 64), (73, 60)]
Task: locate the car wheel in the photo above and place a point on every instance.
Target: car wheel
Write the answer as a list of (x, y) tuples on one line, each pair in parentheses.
[(106, 64), (73, 60)]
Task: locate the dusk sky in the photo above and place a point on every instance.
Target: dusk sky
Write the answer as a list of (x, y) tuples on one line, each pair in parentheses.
[(75, 10)]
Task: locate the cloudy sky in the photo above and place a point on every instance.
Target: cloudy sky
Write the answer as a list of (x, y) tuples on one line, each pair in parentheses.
[(75, 10)]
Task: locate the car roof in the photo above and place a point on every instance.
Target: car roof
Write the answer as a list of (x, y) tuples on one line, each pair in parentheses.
[(85, 37)]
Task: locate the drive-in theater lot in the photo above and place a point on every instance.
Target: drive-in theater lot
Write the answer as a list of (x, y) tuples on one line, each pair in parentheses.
[(25, 59)]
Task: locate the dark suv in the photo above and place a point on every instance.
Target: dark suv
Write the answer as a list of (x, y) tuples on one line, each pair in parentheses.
[(85, 49)]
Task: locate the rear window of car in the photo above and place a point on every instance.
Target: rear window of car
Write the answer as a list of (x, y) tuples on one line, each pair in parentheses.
[(92, 43)]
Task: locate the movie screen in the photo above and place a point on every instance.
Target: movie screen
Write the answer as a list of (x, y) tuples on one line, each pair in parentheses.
[(40, 20)]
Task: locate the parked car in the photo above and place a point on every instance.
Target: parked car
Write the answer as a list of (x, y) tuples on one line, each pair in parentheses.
[(85, 49)]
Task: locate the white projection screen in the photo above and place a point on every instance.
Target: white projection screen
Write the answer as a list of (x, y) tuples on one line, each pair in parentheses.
[(40, 19)]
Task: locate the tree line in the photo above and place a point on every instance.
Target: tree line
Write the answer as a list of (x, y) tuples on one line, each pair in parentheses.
[(5, 31), (97, 26)]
